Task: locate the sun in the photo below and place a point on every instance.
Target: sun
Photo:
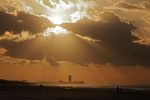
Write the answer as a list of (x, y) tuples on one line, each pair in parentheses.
[(57, 20)]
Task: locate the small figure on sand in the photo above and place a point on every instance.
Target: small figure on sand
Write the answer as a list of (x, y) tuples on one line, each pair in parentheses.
[(119, 90)]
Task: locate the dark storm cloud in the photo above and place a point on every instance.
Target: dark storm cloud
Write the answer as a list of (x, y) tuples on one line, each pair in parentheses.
[(57, 48), (139, 14), (117, 36), (22, 22), (4, 59), (116, 44)]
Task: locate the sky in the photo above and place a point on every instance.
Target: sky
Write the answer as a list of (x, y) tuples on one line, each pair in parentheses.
[(102, 42)]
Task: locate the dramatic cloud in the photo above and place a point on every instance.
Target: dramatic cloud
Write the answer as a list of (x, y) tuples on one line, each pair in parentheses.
[(14, 6), (5, 59), (137, 13), (116, 44), (17, 37), (2, 51), (22, 22), (71, 10), (87, 38), (125, 5), (116, 35)]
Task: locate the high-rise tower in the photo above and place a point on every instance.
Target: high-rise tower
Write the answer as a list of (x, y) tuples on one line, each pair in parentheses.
[(70, 79)]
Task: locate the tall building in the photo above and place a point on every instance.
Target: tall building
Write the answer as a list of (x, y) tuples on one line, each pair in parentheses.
[(70, 79)]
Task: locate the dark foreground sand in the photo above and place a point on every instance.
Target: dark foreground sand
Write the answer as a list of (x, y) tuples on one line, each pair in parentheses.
[(47, 93), (30, 92)]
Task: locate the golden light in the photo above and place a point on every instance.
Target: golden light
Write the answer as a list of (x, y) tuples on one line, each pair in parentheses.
[(55, 31), (57, 20)]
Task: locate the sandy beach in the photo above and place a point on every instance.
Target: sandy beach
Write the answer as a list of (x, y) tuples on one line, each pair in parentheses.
[(24, 91)]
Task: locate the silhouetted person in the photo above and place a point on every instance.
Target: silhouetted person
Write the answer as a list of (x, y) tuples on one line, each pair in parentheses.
[(121, 90), (118, 89), (41, 86)]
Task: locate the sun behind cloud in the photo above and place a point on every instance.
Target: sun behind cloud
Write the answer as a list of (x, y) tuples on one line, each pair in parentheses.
[(57, 20)]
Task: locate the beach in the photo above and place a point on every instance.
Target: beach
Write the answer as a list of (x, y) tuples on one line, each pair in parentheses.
[(62, 93)]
